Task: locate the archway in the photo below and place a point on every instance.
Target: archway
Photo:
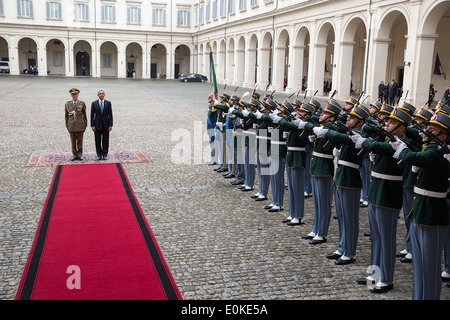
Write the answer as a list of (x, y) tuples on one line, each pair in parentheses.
[(158, 61), (82, 50), (56, 57), (182, 61), (134, 60), (27, 54), (108, 59)]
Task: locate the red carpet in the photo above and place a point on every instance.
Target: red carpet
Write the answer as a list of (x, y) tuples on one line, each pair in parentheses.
[(92, 220)]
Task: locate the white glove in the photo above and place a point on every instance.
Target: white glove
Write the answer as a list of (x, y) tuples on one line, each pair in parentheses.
[(296, 122), (357, 139), (320, 132), (275, 119), (258, 114), (302, 124), (447, 156), (311, 138), (414, 169), (273, 114), (397, 145), (216, 102), (336, 152), (372, 157), (230, 111), (245, 112)]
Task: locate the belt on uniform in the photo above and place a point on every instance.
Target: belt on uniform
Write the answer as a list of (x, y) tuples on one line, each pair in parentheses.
[(295, 149), (322, 155), (263, 137), (433, 194), (386, 176), (278, 142), (348, 164)]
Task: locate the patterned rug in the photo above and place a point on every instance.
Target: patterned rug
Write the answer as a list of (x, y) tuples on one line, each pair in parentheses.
[(63, 158)]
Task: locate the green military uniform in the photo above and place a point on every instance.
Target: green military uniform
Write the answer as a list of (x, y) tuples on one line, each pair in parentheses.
[(76, 123)]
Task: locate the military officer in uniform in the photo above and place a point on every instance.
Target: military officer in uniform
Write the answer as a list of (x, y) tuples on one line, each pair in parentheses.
[(76, 123), (385, 202), (210, 125), (322, 172), (221, 132), (348, 184), (430, 215)]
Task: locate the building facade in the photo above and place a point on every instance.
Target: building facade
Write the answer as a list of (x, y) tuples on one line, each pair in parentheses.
[(284, 45)]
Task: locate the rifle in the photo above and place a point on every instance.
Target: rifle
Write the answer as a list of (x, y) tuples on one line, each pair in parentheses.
[(402, 95), (432, 136), (362, 153)]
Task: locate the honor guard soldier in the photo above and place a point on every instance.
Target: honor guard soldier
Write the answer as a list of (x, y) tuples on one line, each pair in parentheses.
[(430, 215), (249, 131), (76, 123), (348, 183), (296, 162), (278, 150), (263, 148), (309, 149), (385, 201), (322, 172), (221, 107), (236, 142), (210, 125)]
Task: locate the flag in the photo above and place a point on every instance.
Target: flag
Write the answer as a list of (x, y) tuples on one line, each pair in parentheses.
[(213, 73), (437, 65)]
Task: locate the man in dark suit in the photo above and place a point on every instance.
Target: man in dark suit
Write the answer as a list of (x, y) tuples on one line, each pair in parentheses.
[(101, 124)]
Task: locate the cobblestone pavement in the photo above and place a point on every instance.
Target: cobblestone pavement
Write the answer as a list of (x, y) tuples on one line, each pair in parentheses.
[(218, 243)]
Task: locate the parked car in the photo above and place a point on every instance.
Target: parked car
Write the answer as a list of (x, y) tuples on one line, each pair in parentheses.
[(194, 77), (33, 70), (4, 66)]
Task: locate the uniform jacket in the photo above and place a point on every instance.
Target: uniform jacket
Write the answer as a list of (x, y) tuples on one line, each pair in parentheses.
[(433, 176), (294, 158), (75, 116)]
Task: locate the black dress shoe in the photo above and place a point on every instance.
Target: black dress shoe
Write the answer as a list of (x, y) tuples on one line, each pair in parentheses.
[(228, 176), (277, 209), (406, 260), (73, 159), (333, 255), (235, 182), (254, 196), (341, 262), (268, 206), (382, 289), (445, 279), (220, 170), (246, 189), (212, 164), (367, 234), (261, 199), (297, 223), (400, 254), (316, 241), (307, 237), (285, 220)]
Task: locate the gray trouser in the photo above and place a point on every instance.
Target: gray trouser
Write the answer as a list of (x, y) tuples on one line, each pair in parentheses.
[(347, 210)]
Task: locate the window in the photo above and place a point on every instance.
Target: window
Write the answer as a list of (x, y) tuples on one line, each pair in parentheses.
[(214, 9), (81, 11), (25, 8), (184, 17), (208, 12), (57, 59), (107, 60), (1, 8), (201, 15), (159, 16), (108, 13), (222, 8), (242, 5), (53, 10), (134, 15), (253, 3), (230, 6)]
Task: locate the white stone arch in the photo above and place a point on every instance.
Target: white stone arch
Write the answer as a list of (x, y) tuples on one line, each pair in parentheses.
[(252, 60), (432, 41), (323, 56), (230, 66), (240, 61), (78, 47), (27, 51), (301, 41), (265, 64), (158, 56), (56, 55), (351, 64), (134, 59), (281, 59), (109, 58)]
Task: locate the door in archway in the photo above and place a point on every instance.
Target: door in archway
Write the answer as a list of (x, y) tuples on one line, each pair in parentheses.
[(83, 67)]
